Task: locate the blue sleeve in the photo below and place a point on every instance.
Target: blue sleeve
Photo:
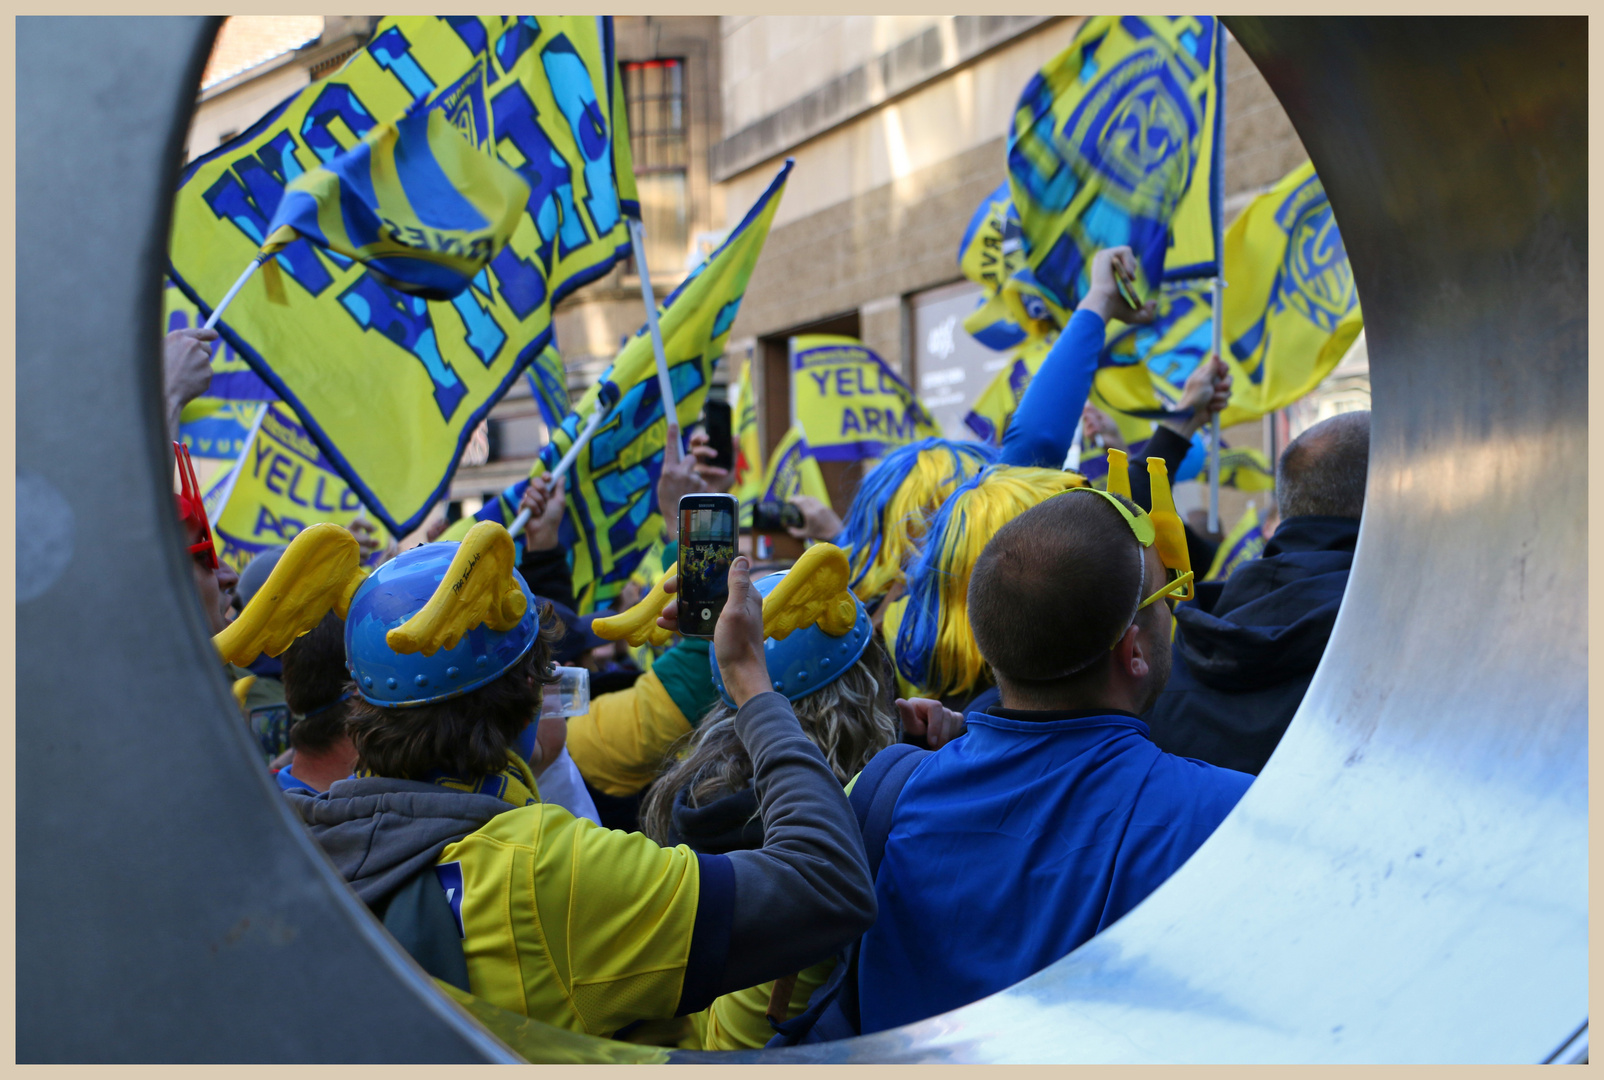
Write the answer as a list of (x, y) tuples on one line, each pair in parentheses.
[(1044, 424)]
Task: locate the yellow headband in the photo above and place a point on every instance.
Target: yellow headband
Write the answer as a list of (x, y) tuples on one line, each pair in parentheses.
[(319, 572), (1162, 525)]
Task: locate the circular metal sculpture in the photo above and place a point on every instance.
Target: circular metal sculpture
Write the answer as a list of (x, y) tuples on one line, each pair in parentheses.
[(1406, 881)]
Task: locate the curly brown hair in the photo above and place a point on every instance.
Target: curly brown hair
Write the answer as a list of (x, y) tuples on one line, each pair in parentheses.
[(465, 737)]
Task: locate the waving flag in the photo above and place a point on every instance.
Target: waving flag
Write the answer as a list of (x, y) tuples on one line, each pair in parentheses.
[(414, 200), (995, 406), (388, 385), (848, 401), (548, 382), (1291, 309), (1291, 314), (612, 517), (793, 471), (748, 450), (283, 484), (1243, 543), (1116, 141)]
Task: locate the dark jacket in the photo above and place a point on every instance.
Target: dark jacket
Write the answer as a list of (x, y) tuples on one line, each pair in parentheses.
[(1246, 648)]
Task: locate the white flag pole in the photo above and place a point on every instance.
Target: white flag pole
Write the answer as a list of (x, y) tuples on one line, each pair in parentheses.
[(665, 386), (1217, 181), (239, 463), (1072, 459), (228, 297), (603, 406)]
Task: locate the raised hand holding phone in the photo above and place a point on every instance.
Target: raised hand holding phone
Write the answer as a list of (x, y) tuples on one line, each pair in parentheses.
[(706, 550)]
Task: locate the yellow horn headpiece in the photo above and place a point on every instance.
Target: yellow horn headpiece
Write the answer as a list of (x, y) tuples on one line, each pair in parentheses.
[(815, 591), (319, 572), (479, 587), (638, 625)]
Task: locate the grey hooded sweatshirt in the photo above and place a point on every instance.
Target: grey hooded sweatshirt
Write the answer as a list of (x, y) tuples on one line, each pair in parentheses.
[(762, 914)]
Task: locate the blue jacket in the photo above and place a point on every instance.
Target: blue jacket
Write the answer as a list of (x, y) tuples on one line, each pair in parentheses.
[(1246, 648), (1043, 425), (1015, 843)]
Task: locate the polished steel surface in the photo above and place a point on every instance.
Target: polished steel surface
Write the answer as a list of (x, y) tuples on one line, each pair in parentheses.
[(1405, 882)]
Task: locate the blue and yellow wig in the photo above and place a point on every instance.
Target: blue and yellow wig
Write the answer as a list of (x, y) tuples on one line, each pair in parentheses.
[(935, 649), (894, 504)]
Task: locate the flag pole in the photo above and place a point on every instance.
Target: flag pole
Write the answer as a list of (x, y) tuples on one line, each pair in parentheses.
[(1217, 212), (228, 297), (1214, 428), (239, 463), (665, 386), (604, 403)]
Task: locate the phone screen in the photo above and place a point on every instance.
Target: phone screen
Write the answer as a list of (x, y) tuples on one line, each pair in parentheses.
[(706, 549), (716, 421)]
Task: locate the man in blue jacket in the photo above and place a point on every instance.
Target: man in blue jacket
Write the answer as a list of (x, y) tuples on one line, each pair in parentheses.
[(1054, 814), (1246, 648)]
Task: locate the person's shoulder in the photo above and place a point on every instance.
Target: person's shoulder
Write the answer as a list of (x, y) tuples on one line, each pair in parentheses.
[(1202, 778)]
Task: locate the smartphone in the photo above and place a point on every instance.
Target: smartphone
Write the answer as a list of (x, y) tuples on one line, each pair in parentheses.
[(1127, 288), (775, 517), (716, 422), (706, 549)]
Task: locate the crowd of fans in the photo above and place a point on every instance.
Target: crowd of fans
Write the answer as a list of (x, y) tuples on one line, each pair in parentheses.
[(1016, 733)]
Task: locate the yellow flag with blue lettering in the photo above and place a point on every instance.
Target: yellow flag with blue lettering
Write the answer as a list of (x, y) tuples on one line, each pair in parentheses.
[(848, 401), (389, 385), (283, 484), (793, 471), (612, 518)]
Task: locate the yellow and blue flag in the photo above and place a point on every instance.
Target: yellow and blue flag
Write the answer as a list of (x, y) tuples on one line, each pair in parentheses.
[(1243, 543), (548, 382), (283, 484), (612, 518), (848, 401), (748, 449), (391, 386), (995, 406), (793, 471), (1117, 141), (1291, 308), (417, 203), (1291, 314)]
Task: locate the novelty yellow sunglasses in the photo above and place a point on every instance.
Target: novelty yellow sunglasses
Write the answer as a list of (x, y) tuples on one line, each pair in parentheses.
[(1162, 526)]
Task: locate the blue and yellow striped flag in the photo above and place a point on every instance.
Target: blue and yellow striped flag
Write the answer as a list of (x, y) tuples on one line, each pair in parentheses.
[(548, 382), (422, 207), (391, 386), (612, 517), (1116, 141)]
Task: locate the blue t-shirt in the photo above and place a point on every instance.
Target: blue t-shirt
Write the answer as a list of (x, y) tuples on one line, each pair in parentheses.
[(1014, 844)]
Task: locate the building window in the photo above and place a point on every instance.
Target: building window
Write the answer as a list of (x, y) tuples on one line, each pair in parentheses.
[(654, 94)]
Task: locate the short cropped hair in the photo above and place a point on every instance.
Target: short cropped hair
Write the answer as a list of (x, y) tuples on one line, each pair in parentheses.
[(1322, 472), (1055, 588), (466, 737), (314, 679)]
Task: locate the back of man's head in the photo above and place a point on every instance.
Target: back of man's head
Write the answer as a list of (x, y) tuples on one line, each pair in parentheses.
[(1055, 588), (314, 678), (1322, 472)]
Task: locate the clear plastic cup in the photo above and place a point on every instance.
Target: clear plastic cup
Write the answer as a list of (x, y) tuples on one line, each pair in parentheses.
[(569, 695)]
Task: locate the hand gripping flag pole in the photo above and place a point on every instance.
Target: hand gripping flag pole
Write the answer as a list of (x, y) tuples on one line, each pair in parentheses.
[(665, 386), (604, 404)]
